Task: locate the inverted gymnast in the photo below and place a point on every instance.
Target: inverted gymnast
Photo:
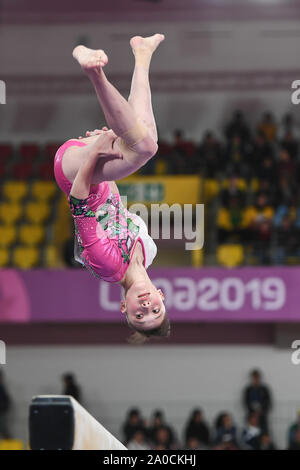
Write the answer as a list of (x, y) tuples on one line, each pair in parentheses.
[(111, 242)]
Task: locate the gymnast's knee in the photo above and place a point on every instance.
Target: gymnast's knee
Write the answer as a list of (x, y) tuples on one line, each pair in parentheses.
[(140, 152), (138, 140), (147, 148)]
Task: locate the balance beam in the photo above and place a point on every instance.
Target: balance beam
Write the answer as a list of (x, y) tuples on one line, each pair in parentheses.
[(58, 422)]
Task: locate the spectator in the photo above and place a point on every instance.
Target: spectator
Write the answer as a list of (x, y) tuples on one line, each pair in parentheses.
[(238, 127), (5, 405), (257, 398), (286, 237), (284, 210), (259, 150), (286, 166), (295, 444), (293, 429), (236, 156), (267, 188), (231, 222), (226, 433), (183, 153), (252, 432), (258, 221), (159, 423), (197, 428), (233, 190), (163, 163), (288, 123), (70, 386), (267, 170), (193, 444), (286, 191), (297, 218), (266, 442), (133, 424), (268, 127), (262, 244), (290, 144), (138, 441), (226, 446), (209, 156), (163, 438)]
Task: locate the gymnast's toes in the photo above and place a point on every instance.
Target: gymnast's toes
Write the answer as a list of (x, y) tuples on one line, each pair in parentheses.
[(90, 58)]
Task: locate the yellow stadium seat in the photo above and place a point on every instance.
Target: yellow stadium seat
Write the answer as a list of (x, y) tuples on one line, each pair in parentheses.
[(4, 257), (211, 189), (37, 212), (25, 257), (161, 167), (31, 234), (197, 258), (11, 444), (10, 212), (230, 255), (15, 190), (44, 190), (52, 259), (254, 184), (8, 235)]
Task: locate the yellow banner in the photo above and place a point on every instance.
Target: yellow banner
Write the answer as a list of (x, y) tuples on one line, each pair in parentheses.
[(161, 189)]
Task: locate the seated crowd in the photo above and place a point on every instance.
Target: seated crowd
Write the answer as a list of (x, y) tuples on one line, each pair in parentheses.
[(256, 204), (138, 433), (257, 173), (223, 434)]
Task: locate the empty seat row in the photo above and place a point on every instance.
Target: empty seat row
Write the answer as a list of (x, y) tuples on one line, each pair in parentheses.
[(24, 170), (27, 234), (6, 152), (17, 190), (24, 257), (27, 257), (34, 211), (28, 152)]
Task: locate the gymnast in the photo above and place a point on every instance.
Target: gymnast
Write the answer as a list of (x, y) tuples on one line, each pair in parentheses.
[(111, 242)]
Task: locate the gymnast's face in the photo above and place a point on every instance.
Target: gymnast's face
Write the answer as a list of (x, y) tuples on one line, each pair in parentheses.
[(144, 306)]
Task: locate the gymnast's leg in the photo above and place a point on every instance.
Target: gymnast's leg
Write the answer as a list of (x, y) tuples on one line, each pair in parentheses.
[(140, 93), (120, 116)]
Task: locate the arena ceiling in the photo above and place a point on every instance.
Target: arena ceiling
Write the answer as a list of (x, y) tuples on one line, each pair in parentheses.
[(65, 11)]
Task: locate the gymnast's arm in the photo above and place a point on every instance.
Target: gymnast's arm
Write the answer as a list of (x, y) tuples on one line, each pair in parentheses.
[(132, 160), (89, 159), (110, 168)]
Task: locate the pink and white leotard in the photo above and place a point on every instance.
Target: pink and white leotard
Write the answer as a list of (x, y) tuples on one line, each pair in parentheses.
[(106, 233)]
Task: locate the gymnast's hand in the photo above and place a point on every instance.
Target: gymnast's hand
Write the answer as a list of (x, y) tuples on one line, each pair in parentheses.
[(94, 132), (104, 145)]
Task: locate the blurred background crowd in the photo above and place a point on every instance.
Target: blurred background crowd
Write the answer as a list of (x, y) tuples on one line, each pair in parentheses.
[(250, 188), (156, 432), (251, 179)]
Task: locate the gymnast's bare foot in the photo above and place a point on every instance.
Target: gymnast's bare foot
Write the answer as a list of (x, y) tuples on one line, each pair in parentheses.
[(149, 44), (90, 59)]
